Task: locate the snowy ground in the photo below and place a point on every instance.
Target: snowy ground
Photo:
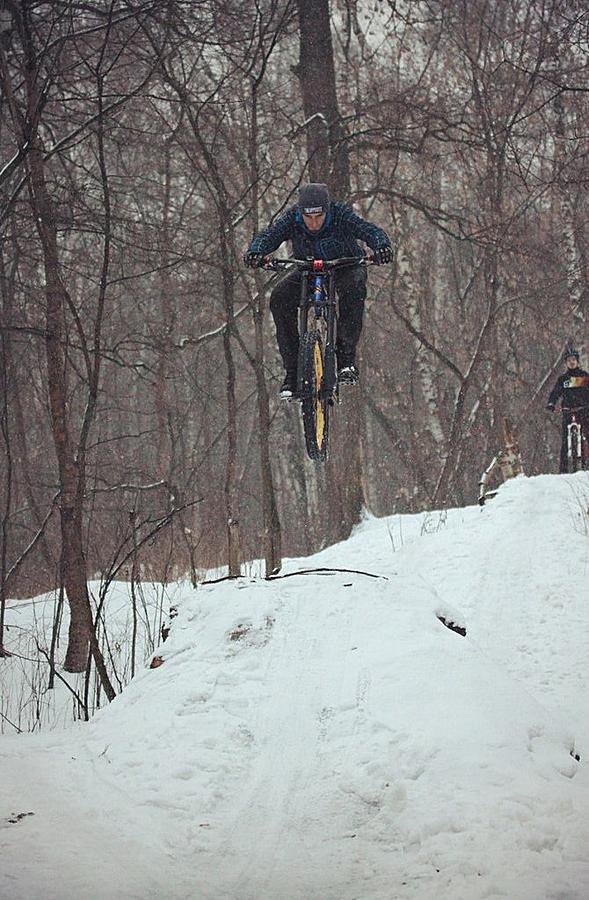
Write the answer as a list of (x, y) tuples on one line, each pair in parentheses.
[(324, 737)]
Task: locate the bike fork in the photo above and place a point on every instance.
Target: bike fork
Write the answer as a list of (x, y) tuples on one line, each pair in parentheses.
[(302, 314), (574, 440), (330, 377), (326, 324)]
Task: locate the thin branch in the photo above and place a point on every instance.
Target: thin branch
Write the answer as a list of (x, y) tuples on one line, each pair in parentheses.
[(16, 565)]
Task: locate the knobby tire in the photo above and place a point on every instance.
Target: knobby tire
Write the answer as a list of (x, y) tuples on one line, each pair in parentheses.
[(315, 406)]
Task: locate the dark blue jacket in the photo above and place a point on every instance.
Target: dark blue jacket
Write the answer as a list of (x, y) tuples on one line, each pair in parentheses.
[(338, 236)]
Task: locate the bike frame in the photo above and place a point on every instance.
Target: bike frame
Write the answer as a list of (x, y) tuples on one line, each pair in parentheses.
[(577, 439), (318, 299), (317, 385)]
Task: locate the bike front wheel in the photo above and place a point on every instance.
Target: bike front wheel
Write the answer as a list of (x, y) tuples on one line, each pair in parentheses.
[(575, 448), (315, 403)]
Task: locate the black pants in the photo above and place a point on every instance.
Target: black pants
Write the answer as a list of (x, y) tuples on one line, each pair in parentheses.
[(350, 285), (582, 416)]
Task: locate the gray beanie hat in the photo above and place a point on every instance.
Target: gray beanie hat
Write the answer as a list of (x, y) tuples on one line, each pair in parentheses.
[(313, 198)]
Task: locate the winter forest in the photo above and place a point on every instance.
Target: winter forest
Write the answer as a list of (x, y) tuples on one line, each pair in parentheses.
[(142, 144)]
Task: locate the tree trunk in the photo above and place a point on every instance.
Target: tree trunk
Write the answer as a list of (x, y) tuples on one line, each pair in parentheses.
[(231, 486), (326, 146), (7, 487), (571, 226), (73, 563), (328, 162), (81, 638), (272, 532)]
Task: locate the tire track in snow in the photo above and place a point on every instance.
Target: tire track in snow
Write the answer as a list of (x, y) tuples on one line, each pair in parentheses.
[(275, 830)]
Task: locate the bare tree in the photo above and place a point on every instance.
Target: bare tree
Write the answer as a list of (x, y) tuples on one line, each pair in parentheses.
[(27, 83)]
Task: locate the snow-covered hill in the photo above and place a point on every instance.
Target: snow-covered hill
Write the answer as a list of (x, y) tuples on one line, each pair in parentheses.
[(323, 736)]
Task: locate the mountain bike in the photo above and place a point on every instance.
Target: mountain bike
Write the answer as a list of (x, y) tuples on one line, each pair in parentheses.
[(317, 387), (577, 440)]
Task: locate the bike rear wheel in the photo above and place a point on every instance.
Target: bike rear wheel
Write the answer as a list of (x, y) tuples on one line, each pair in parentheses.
[(315, 404)]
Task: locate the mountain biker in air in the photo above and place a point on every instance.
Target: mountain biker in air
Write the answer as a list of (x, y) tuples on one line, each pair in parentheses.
[(322, 229), (572, 389)]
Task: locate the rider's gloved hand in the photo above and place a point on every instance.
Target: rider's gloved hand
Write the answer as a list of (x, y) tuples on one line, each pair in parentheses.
[(550, 406), (382, 255), (254, 260)]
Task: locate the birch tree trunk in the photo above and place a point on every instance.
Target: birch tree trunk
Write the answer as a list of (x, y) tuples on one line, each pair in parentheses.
[(571, 224), (416, 291)]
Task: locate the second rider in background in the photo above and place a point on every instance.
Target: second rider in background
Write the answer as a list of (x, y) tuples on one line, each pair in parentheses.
[(322, 229), (572, 389)]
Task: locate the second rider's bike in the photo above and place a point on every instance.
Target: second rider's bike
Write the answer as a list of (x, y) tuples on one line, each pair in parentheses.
[(577, 441), (317, 386)]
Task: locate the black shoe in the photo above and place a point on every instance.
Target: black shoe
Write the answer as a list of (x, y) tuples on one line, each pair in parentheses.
[(348, 374), (288, 391)]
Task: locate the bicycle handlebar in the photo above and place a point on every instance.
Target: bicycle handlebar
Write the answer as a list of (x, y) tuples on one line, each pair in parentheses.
[(275, 264), (575, 409)]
